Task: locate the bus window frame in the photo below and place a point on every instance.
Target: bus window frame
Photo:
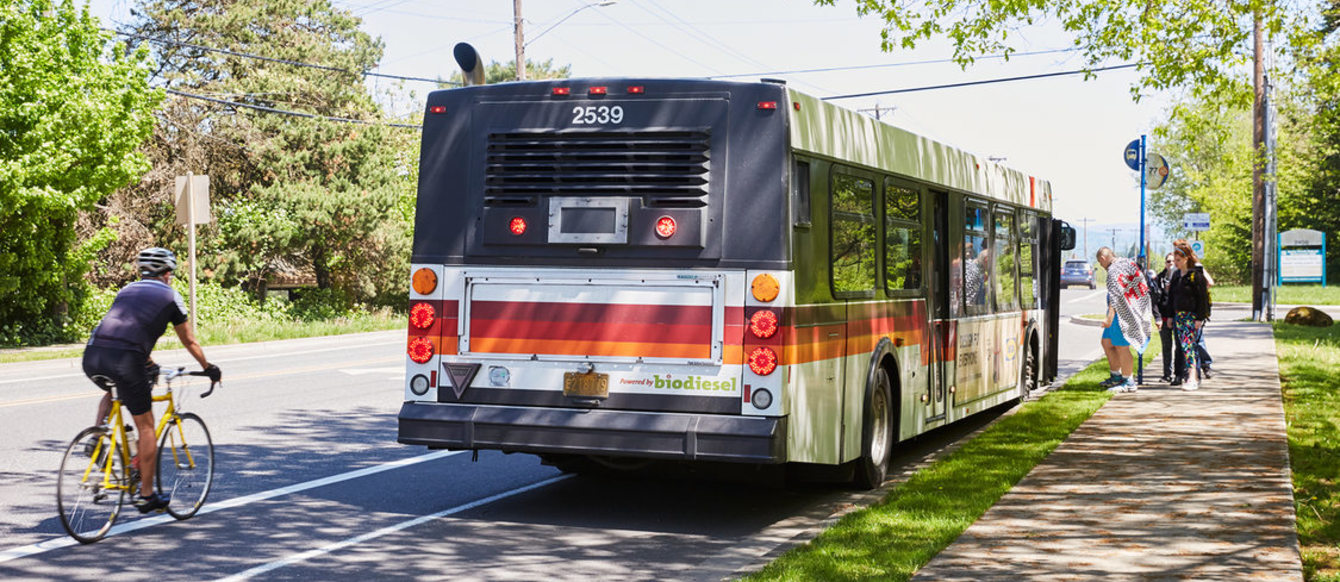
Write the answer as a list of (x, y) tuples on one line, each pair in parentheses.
[(872, 219), (801, 193), (988, 280), (1010, 238), (919, 225)]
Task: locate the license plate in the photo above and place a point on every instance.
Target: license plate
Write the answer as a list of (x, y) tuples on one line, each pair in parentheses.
[(588, 385)]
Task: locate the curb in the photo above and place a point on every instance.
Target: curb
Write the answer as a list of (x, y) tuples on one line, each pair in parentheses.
[(1077, 320)]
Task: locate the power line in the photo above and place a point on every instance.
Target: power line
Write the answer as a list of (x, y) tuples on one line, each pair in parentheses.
[(890, 65), (273, 59), (981, 82), (286, 112)]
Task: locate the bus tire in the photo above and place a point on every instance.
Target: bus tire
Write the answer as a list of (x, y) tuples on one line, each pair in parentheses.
[(876, 432)]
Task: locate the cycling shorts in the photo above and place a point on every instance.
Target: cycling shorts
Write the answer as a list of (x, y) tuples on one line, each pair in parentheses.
[(125, 368)]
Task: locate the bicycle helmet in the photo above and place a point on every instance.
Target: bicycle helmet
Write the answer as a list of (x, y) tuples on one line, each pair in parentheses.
[(155, 261)]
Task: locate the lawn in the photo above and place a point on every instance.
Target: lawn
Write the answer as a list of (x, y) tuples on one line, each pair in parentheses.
[(1309, 360), (1284, 295), (916, 519)]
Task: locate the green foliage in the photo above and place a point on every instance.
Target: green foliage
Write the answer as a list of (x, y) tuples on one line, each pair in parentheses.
[(292, 196), (73, 109), (1198, 44), (496, 72), (1319, 201)]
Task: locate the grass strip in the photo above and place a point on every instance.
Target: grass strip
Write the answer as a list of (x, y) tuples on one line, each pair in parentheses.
[(1309, 359), (916, 519), (240, 331), (1284, 294)]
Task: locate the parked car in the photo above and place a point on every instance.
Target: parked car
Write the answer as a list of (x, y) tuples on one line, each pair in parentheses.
[(1077, 273)]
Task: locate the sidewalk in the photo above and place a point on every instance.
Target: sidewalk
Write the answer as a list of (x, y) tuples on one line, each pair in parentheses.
[(1157, 485)]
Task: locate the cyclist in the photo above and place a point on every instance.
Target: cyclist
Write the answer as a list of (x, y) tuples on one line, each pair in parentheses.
[(119, 349)]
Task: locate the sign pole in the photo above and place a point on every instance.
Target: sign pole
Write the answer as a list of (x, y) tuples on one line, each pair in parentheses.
[(1141, 260), (190, 220)]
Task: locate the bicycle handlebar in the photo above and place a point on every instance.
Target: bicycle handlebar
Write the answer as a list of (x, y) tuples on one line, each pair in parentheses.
[(171, 373)]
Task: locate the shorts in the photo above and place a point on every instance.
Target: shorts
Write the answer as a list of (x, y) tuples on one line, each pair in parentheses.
[(125, 368), (1113, 332)]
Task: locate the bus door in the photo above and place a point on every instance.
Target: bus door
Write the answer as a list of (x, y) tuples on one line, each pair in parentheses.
[(942, 323)]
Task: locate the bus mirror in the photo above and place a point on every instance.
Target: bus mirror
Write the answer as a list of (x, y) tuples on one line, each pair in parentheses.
[(1067, 237)]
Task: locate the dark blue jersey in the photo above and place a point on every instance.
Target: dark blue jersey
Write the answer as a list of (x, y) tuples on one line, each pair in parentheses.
[(139, 315)]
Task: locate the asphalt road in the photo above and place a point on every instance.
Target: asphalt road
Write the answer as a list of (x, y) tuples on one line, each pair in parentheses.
[(310, 484)]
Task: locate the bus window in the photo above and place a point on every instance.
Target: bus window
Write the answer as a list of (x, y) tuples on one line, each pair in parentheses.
[(1006, 276), (976, 258), (1028, 247), (800, 193), (902, 238), (853, 228)]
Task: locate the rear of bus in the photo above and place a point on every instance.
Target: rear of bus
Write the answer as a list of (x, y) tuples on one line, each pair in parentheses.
[(597, 266)]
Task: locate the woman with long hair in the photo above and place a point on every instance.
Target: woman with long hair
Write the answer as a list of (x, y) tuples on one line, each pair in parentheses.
[(1191, 308)]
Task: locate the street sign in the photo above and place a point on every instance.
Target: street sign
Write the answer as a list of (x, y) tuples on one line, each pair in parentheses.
[(1302, 256), (1198, 247), (1156, 171), (1132, 155), (199, 193), (1196, 221)]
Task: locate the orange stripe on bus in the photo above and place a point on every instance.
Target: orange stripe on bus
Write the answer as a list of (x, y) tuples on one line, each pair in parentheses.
[(589, 348)]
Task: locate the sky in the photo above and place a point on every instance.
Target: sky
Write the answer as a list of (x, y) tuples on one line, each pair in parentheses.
[(1063, 129)]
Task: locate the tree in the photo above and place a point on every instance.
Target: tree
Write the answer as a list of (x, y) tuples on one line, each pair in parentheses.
[(1196, 43), (1320, 207), (73, 109), (292, 194), (497, 72)]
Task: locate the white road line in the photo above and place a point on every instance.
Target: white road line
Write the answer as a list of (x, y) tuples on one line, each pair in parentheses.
[(304, 556), (65, 541)]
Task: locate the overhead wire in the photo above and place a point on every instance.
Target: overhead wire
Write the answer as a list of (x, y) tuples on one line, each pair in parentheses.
[(980, 82), (287, 112), (892, 65)]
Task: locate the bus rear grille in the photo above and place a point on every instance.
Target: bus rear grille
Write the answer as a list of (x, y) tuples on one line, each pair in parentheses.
[(665, 168)]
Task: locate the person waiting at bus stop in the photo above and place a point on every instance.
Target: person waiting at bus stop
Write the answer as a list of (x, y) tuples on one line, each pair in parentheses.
[(1191, 305), (1160, 288), (1127, 322)]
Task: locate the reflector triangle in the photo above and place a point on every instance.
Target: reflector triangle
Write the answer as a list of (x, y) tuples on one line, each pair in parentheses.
[(461, 375)]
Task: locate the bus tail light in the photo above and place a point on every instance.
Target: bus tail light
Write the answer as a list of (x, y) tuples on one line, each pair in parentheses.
[(636, 90), (762, 361), (437, 109), (597, 91), (420, 350), (665, 227), (424, 281), (765, 287), (767, 105), (421, 315), (517, 225), (562, 91), (763, 324)]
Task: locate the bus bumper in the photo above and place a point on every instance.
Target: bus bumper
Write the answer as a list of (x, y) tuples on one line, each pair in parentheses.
[(690, 437)]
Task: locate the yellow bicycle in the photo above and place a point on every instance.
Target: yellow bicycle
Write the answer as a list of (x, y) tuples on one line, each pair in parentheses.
[(96, 473)]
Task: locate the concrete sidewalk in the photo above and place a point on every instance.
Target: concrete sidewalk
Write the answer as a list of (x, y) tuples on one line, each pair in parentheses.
[(1158, 485)]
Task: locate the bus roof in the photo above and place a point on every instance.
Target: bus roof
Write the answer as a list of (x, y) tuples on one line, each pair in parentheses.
[(834, 132)]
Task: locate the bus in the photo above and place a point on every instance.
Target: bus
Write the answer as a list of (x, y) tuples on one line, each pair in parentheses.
[(624, 269)]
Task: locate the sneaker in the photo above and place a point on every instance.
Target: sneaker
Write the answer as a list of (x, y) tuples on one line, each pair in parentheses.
[(153, 502), (1190, 385), (1166, 379), (1129, 386), (1205, 373), (1177, 381), (1111, 381)]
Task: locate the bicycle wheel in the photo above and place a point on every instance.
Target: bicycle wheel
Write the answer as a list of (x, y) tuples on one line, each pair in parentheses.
[(90, 487), (185, 464)]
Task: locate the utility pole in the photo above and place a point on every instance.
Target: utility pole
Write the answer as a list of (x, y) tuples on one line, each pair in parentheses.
[(1258, 167), (1086, 220), (519, 40)]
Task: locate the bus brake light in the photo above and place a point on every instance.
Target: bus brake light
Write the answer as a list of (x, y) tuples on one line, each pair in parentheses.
[(665, 227), (763, 324), (421, 315), (597, 91), (517, 225), (636, 90), (762, 361), (562, 90), (420, 350)]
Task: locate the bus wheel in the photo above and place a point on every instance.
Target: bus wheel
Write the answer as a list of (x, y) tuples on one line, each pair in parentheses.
[(1028, 379), (876, 433)]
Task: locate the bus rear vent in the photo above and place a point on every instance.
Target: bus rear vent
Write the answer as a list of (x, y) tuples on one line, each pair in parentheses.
[(664, 168)]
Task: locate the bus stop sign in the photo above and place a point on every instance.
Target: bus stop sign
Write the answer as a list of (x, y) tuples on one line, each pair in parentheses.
[(1132, 155)]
